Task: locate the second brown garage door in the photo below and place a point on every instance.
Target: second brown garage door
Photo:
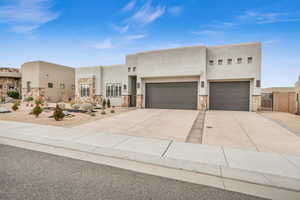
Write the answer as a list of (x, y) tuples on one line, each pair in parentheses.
[(181, 95), (229, 95)]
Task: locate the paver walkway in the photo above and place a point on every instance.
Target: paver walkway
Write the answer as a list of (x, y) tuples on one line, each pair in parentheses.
[(249, 131), (154, 123)]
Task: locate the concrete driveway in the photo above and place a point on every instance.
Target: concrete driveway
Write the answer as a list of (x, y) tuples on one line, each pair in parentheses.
[(250, 131), (153, 123)]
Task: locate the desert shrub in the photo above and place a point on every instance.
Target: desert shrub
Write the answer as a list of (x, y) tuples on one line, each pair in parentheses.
[(112, 111), (39, 101), (58, 113), (93, 114), (2, 99), (103, 112), (37, 110), (108, 103), (76, 106), (15, 106), (103, 103), (13, 94), (29, 99), (86, 107)]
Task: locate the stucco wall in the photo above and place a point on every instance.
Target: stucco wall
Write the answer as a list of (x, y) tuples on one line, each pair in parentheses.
[(115, 74), (187, 61), (235, 71)]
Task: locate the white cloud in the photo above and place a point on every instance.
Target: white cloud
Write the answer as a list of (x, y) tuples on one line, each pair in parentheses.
[(105, 44), (27, 15), (255, 17), (134, 37), (175, 10), (121, 29), (129, 6), (148, 13)]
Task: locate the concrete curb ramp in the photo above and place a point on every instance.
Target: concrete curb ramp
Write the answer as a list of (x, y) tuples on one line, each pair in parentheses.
[(275, 176)]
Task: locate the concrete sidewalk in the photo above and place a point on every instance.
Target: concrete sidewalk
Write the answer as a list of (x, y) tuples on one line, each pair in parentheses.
[(269, 174)]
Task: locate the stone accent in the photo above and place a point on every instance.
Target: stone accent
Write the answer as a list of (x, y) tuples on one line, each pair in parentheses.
[(139, 101), (92, 98), (10, 79), (256, 103), (126, 101), (202, 102)]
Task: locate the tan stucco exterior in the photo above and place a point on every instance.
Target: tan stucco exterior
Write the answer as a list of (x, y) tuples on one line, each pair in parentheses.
[(39, 74), (186, 64)]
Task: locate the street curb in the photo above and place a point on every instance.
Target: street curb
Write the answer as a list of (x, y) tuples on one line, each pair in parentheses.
[(224, 172)]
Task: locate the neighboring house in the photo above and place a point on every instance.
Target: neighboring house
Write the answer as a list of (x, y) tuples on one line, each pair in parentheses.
[(277, 89), (54, 82), (10, 79), (280, 99), (221, 78)]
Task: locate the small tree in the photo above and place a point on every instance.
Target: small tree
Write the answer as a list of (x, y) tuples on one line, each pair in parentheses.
[(58, 113), (103, 103), (37, 110), (16, 106), (108, 103)]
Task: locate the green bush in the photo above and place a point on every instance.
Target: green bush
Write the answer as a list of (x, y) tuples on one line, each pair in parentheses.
[(103, 112), (37, 110), (29, 99), (108, 103), (112, 111), (58, 113), (13, 94), (15, 106), (103, 103)]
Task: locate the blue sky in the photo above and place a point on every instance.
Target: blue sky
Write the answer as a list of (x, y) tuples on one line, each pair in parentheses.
[(97, 32)]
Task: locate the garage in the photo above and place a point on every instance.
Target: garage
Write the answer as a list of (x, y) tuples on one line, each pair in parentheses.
[(229, 95), (177, 95)]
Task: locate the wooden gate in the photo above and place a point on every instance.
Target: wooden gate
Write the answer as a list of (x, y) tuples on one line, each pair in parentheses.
[(284, 102)]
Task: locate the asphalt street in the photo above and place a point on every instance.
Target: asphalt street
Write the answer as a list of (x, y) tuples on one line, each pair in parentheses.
[(31, 175)]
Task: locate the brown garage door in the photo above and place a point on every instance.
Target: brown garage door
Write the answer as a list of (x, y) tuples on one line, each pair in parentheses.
[(229, 95), (181, 95)]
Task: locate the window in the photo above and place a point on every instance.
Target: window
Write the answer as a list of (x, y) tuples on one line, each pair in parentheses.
[(28, 83), (84, 90), (129, 69), (220, 62), (239, 60), (124, 87), (50, 85), (211, 62), (113, 90), (250, 59), (229, 61), (62, 86), (133, 69)]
